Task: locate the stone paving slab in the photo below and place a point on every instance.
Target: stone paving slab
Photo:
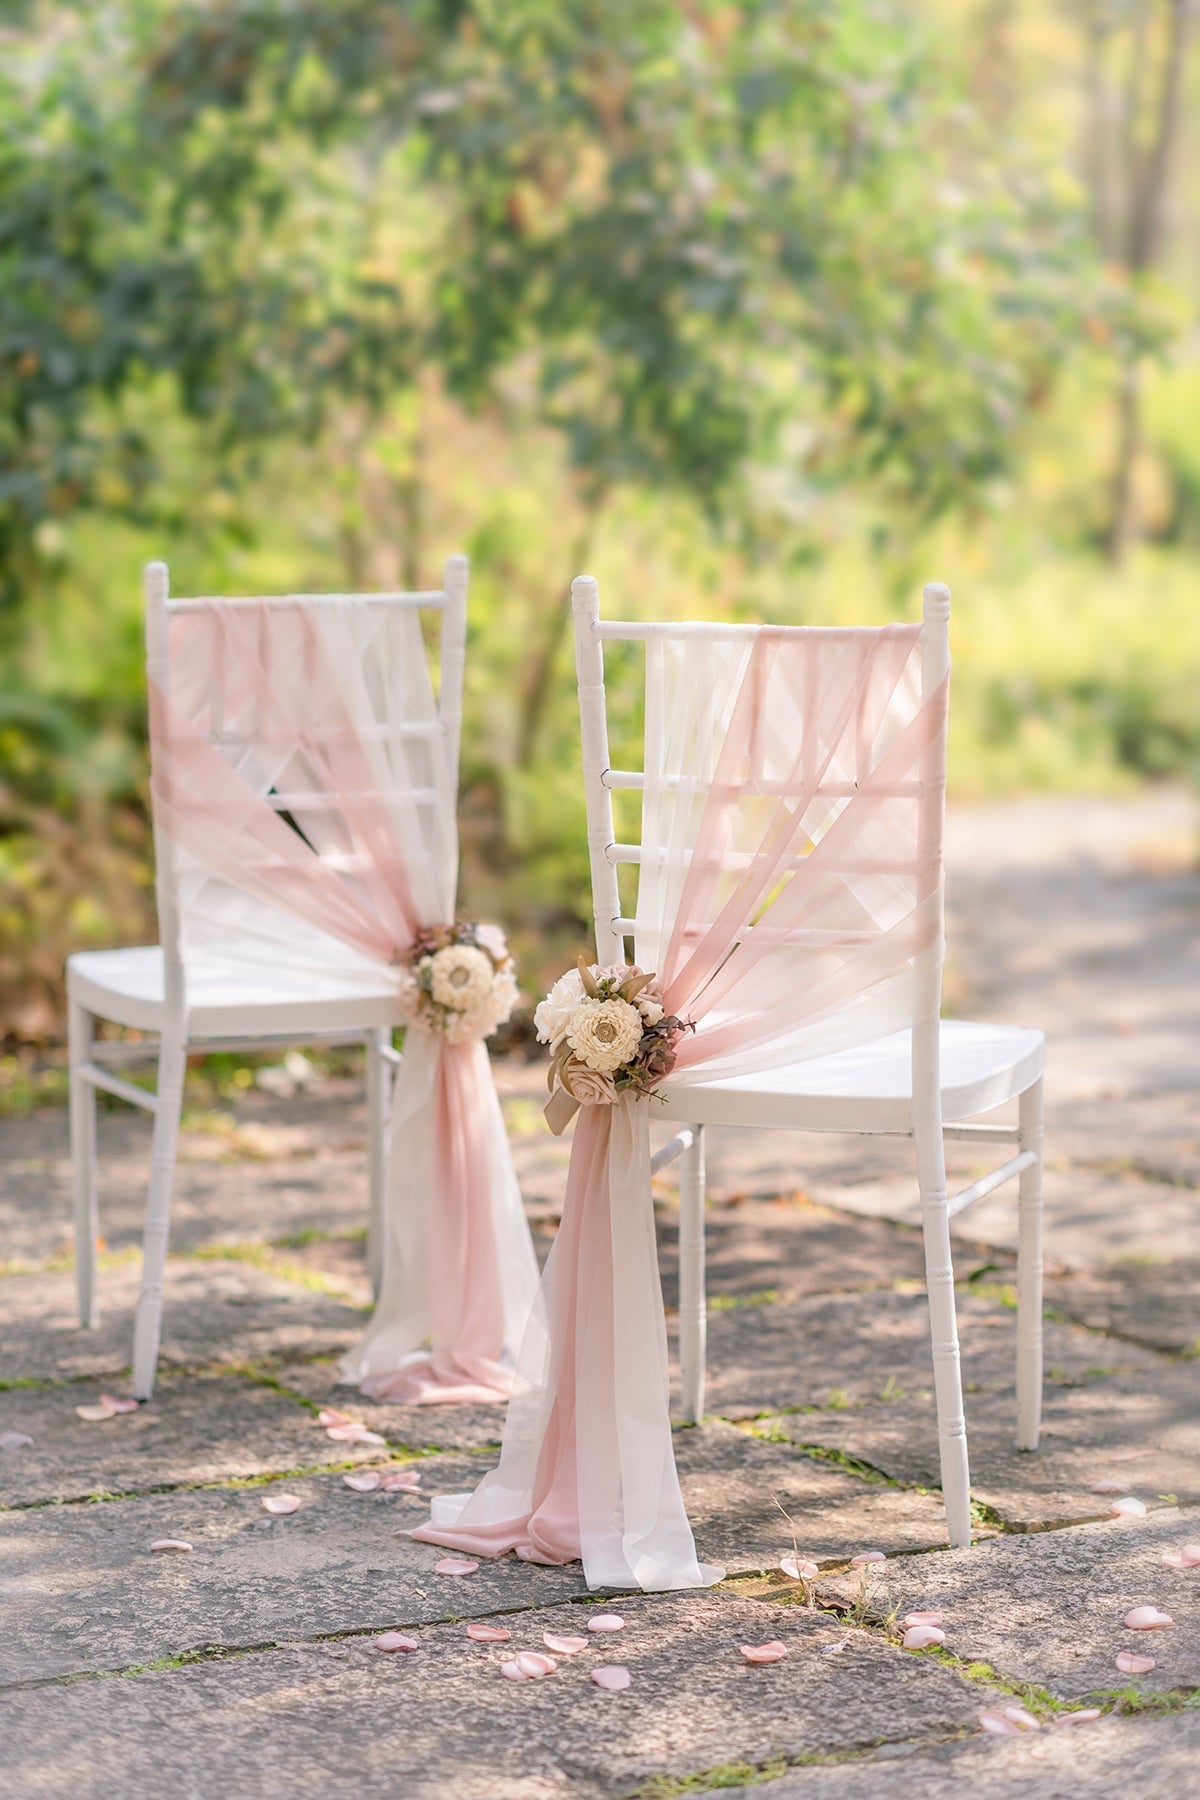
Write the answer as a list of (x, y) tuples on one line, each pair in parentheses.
[(1151, 1302), (741, 1493), (214, 1311), (1093, 1215), (801, 1352), (802, 1249), (84, 1591), (1142, 1428), (343, 1719), (421, 1427), (1153, 1757), (265, 1168), (1048, 1609), (196, 1429)]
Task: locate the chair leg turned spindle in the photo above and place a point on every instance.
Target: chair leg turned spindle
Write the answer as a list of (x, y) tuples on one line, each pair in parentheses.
[(172, 1063), (693, 1323), (378, 1096), (82, 1105), (1029, 1274), (943, 1324)]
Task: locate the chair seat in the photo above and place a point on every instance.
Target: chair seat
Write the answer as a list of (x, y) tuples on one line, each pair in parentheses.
[(869, 1088), (228, 998)]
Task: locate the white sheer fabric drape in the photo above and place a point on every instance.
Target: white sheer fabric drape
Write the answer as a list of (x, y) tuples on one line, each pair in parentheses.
[(324, 714), (784, 901)]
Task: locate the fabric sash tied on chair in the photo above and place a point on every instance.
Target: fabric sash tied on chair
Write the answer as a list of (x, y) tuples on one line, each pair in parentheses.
[(324, 712), (784, 902)]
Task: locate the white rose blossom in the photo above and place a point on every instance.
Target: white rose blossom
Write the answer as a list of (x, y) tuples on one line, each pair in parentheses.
[(461, 977), (553, 1015), (604, 1033)]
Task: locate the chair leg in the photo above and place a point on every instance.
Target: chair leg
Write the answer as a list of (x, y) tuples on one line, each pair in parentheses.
[(172, 1062), (378, 1096), (947, 1371), (693, 1323), (1029, 1275), (82, 1105)]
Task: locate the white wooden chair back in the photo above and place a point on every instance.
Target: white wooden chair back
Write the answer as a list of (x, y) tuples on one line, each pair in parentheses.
[(828, 793), (393, 677)]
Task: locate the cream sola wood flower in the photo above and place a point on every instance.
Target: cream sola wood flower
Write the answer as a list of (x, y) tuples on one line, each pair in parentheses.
[(460, 977), (604, 1033)]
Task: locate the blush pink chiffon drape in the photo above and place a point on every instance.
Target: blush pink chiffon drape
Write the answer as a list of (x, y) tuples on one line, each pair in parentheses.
[(786, 915), (292, 805)]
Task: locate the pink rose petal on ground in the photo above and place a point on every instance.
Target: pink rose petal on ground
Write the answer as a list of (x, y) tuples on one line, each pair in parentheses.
[(867, 1556), (1191, 1556), (282, 1503), (1130, 1663), (1021, 1717), (1174, 1559), (402, 1484), (455, 1565), (923, 1618), (919, 1637), (1147, 1618), (564, 1646), (14, 1440), (606, 1622), (354, 1434), (397, 1640), (329, 1415), (763, 1653), (1110, 1487), (179, 1544), (999, 1725), (528, 1665), (488, 1634), (94, 1414), (614, 1677), (1078, 1718), (118, 1406), (1128, 1508), (799, 1570), (364, 1483)]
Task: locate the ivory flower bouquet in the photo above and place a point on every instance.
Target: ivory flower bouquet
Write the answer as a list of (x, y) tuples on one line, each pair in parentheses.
[(608, 1035), (459, 980)]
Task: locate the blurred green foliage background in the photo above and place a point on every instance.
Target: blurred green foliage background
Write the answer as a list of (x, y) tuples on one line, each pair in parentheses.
[(763, 310)]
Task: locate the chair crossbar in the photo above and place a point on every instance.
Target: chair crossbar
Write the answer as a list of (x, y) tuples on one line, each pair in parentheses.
[(111, 1052), (683, 1140), (645, 630), (746, 859), (318, 734), (116, 1084), (982, 1134), (987, 1184), (627, 779), (333, 802), (434, 597), (810, 938)]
